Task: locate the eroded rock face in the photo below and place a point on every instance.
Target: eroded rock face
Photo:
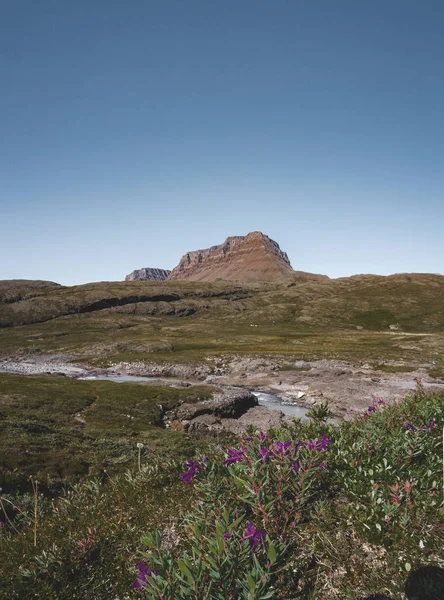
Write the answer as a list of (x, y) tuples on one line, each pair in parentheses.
[(148, 274), (254, 257), (232, 403)]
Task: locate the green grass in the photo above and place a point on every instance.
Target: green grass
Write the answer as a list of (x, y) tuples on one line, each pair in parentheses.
[(287, 367), (59, 429), (437, 372), (394, 368)]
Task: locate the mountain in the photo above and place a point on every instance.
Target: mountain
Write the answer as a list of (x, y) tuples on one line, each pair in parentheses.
[(148, 274), (250, 258)]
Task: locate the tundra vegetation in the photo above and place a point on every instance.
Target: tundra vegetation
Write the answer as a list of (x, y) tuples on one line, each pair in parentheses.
[(307, 511), (98, 500)]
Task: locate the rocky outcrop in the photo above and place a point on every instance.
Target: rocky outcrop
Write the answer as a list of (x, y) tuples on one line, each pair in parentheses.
[(254, 257), (148, 274), (259, 416), (231, 404), (227, 414)]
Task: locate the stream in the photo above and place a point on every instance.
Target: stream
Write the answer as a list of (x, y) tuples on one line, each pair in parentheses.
[(264, 399), (268, 400)]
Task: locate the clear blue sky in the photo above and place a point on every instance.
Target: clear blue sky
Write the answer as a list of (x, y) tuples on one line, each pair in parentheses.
[(132, 132)]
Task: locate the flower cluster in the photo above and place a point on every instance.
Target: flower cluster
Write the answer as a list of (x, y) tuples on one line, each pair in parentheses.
[(278, 449), (426, 427)]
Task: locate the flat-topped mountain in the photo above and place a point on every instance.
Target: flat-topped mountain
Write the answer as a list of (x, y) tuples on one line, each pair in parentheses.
[(249, 258), (148, 274)]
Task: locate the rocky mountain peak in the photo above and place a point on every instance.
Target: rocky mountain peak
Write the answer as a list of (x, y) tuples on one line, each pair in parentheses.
[(249, 258)]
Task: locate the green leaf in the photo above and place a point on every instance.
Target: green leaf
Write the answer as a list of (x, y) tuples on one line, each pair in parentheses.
[(271, 552), (185, 570), (251, 583)]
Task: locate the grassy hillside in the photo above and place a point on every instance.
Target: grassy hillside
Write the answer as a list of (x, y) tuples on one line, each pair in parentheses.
[(14, 290), (364, 317)]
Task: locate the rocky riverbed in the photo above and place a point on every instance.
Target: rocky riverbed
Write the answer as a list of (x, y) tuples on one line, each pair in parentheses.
[(346, 386)]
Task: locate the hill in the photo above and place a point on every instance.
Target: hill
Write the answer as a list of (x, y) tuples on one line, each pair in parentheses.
[(401, 316)]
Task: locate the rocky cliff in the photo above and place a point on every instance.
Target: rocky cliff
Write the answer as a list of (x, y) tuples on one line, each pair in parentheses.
[(148, 274), (254, 257)]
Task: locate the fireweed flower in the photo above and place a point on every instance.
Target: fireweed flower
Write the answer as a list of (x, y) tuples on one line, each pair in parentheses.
[(194, 468), (228, 534), (324, 443), (282, 447), (253, 535), (144, 573), (235, 456), (409, 427), (265, 453), (262, 435)]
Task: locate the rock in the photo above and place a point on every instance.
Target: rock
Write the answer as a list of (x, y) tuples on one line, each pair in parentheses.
[(263, 418), (231, 404), (260, 416), (228, 414), (254, 257), (148, 274)]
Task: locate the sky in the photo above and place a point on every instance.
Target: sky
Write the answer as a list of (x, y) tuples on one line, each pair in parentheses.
[(133, 132)]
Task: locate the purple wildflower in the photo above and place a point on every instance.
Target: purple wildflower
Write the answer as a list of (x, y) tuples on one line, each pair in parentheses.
[(254, 535), (194, 468), (323, 466), (265, 453), (324, 443), (409, 427), (249, 439), (431, 425), (144, 573), (262, 435), (282, 447), (228, 534), (235, 456), (371, 409), (296, 466)]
